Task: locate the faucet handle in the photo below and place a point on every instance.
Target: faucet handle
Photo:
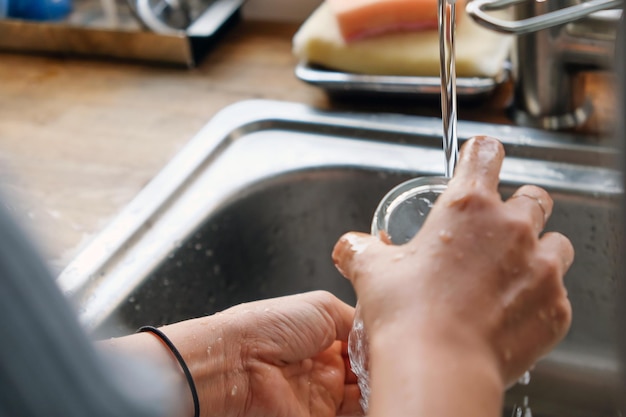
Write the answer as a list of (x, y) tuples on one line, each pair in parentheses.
[(477, 8)]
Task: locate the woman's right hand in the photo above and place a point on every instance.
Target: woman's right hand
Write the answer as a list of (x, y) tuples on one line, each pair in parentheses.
[(479, 279)]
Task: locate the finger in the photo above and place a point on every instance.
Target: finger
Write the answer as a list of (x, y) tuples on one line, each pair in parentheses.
[(312, 322), (350, 250), (479, 164), (532, 202), (543, 329), (350, 405), (559, 246), (549, 323), (340, 313)]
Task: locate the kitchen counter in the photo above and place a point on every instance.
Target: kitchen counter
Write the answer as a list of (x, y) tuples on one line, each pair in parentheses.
[(80, 138)]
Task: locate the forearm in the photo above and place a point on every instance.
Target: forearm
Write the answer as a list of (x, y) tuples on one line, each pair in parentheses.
[(206, 346), (411, 377), (147, 348)]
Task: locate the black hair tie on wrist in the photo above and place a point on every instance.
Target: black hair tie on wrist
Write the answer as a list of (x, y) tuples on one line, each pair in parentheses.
[(181, 361)]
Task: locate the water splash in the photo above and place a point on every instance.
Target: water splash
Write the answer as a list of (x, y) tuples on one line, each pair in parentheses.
[(522, 410), (358, 352), (524, 379)]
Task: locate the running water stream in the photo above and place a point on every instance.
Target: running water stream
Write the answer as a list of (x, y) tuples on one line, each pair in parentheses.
[(447, 61), (358, 345)]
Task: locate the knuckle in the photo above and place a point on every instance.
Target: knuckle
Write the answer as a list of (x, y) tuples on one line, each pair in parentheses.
[(471, 199), (481, 196), (563, 310), (552, 268), (478, 198), (323, 296), (549, 272), (520, 229), (560, 317)]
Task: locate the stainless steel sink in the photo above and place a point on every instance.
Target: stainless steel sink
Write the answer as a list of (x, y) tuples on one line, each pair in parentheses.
[(253, 205)]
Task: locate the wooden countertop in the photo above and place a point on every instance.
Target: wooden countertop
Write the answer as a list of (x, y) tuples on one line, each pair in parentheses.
[(80, 138)]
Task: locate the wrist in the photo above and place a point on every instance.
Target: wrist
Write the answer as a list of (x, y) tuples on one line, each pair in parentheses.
[(426, 365), (211, 351)]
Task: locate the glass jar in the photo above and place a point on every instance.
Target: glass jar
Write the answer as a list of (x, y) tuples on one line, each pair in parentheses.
[(397, 219)]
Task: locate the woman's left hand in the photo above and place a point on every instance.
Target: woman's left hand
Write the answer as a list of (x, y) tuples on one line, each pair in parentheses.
[(279, 357), (295, 357)]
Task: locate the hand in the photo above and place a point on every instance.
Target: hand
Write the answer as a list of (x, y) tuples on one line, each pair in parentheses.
[(280, 357), (478, 279), (295, 358)]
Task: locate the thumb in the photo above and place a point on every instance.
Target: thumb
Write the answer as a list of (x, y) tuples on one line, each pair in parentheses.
[(350, 252)]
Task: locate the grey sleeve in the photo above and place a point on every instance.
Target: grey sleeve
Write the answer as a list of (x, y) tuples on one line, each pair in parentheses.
[(48, 366)]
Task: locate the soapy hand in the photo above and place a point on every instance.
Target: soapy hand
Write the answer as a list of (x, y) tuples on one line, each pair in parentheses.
[(478, 280)]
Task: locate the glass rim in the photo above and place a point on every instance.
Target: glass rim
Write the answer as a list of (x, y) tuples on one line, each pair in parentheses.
[(402, 192)]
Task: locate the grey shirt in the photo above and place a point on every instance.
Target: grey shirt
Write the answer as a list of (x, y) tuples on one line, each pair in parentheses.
[(48, 365)]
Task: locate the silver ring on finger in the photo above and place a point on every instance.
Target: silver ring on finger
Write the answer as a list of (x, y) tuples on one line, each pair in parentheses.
[(536, 200)]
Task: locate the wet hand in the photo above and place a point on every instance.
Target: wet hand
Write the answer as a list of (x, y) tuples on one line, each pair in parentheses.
[(479, 275), (295, 357), (278, 357)]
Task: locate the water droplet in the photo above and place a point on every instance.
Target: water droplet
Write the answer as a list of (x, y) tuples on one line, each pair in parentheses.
[(445, 236), (398, 256), (524, 380), (358, 352)]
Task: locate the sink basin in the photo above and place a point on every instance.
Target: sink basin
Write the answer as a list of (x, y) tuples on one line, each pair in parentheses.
[(253, 205)]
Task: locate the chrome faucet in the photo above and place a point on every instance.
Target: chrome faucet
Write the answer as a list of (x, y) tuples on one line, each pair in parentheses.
[(556, 39)]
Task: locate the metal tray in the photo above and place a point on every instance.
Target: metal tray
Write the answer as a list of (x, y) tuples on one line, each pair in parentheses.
[(343, 83), (89, 32)]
